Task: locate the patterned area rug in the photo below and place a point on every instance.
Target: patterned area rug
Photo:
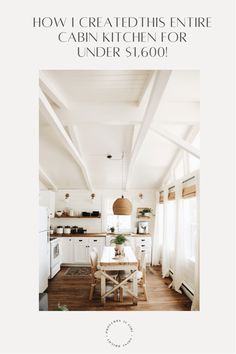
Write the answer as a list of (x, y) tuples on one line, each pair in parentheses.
[(78, 271)]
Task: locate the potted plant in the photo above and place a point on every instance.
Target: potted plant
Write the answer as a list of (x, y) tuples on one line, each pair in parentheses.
[(62, 307), (146, 211), (119, 241)]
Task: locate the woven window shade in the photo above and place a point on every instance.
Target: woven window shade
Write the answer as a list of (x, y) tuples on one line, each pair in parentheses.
[(188, 192), (171, 195), (161, 198)]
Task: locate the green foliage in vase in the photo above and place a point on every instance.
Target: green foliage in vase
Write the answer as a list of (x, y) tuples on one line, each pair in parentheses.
[(119, 239)]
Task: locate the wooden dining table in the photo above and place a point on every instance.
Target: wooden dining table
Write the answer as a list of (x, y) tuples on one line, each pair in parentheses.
[(128, 263)]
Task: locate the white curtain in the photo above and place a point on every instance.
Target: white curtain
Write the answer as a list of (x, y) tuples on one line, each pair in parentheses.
[(156, 246), (166, 241), (195, 303), (178, 261)]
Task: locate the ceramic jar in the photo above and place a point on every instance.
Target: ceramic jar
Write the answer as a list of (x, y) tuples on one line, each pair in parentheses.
[(59, 229)]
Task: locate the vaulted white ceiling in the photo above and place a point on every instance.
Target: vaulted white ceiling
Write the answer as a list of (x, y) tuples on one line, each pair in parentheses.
[(86, 115)]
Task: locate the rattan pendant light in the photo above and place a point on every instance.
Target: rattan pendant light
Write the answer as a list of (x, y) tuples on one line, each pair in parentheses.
[(122, 206)]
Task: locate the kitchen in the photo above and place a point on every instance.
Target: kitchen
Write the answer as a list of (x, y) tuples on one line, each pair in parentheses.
[(99, 135)]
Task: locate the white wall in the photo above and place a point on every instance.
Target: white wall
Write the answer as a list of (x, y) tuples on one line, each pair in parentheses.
[(80, 200)]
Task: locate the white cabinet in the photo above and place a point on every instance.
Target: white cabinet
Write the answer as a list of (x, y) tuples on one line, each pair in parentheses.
[(81, 250), (47, 199), (99, 243), (67, 249), (145, 244), (76, 249)]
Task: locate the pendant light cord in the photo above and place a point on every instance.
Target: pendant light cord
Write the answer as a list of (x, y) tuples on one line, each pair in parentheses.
[(122, 182)]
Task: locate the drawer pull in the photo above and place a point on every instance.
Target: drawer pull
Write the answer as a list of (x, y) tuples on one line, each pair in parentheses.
[(95, 240)]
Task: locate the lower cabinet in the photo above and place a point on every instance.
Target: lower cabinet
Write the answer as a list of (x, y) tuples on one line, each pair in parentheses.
[(145, 244), (67, 250), (76, 249), (98, 243), (81, 250)]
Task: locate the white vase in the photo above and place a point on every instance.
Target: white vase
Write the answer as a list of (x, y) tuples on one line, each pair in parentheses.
[(71, 212), (119, 249)]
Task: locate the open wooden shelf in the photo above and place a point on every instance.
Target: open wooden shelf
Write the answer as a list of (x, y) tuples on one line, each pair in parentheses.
[(77, 217)]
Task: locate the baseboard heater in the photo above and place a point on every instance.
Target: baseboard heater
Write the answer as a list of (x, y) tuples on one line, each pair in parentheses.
[(184, 287)]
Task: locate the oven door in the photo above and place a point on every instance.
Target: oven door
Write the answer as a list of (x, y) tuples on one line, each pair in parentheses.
[(55, 261)]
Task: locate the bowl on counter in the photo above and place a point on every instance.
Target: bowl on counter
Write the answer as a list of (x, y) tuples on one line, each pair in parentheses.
[(59, 212)]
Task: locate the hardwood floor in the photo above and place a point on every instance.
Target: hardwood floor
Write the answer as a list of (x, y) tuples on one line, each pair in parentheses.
[(73, 291)]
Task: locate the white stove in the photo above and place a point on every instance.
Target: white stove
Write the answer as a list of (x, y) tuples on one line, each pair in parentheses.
[(55, 256)]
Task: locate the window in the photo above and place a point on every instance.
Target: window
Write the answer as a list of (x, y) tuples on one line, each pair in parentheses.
[(121, 223), (179, 169), (160, 223), (190, 227), (160, 226), (171, 217), (194, 163)]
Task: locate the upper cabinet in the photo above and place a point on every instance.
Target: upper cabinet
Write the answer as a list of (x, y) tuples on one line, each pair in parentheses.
[(47, 199)]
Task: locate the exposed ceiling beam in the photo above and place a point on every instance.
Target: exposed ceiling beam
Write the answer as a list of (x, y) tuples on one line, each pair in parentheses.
[(53, 120), (183, 144), (135, 134), (51, 90), (146, 87), (74, 137), (179, 155), (120, 123), (46, 179), (160, 82)]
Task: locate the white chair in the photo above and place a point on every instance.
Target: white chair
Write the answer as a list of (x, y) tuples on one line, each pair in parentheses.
[(96, 274), (141, 273), (96, 251), (141, 276)]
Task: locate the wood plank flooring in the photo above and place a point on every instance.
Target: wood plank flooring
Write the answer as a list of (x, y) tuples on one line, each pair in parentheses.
[(73, 291)]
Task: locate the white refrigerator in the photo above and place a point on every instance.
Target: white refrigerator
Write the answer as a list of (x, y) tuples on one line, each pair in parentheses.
[(44, 248)]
